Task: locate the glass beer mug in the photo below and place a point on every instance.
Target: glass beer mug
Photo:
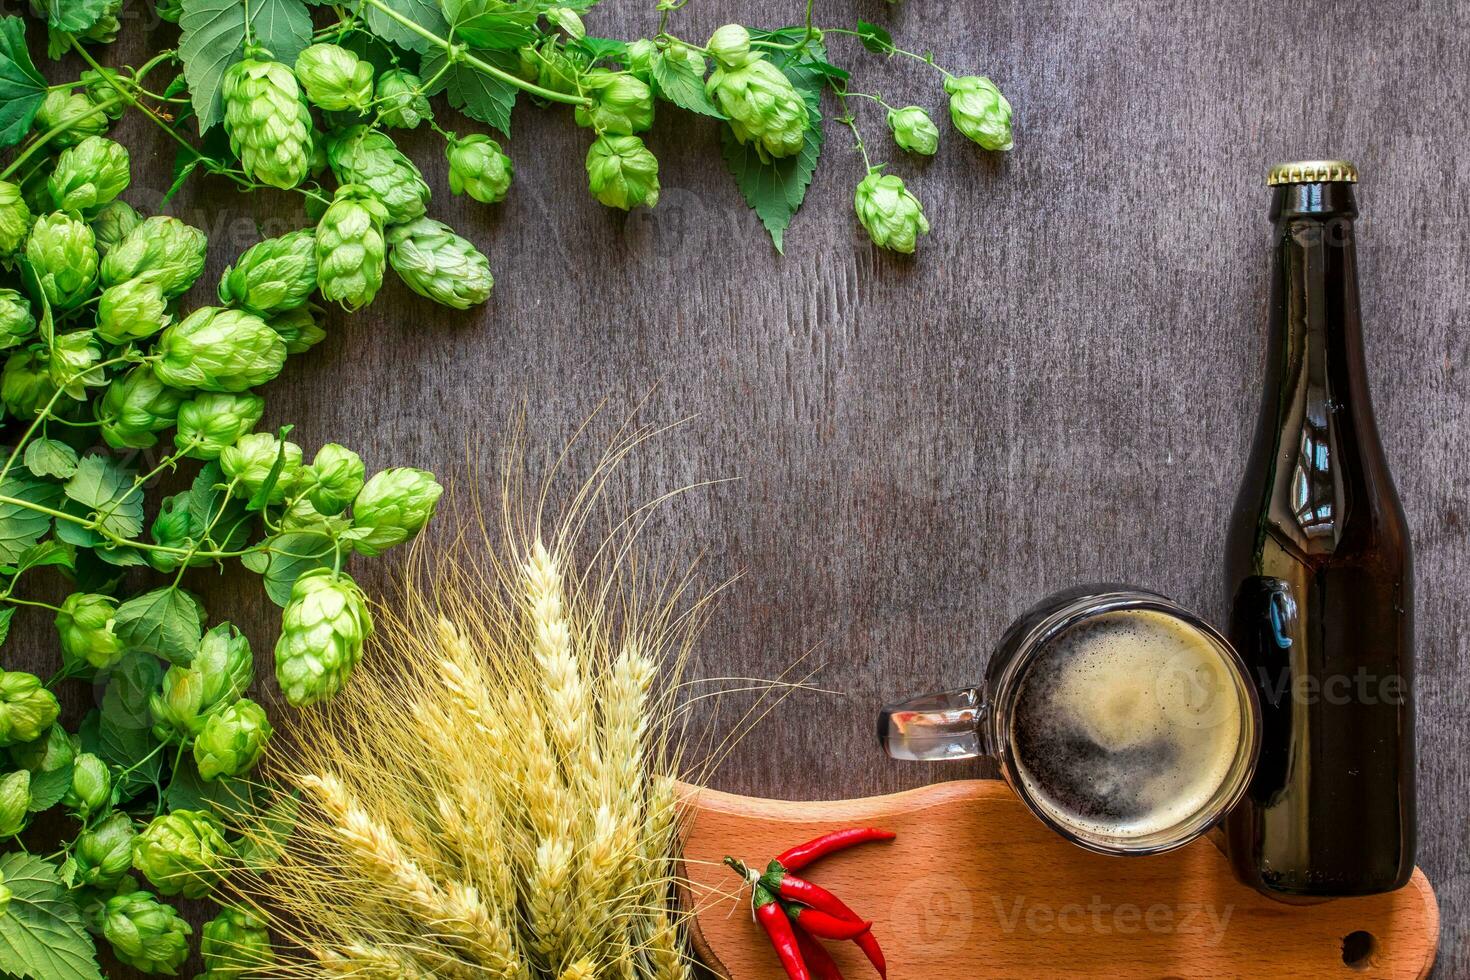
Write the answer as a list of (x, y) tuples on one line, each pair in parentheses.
[(1121, 719)]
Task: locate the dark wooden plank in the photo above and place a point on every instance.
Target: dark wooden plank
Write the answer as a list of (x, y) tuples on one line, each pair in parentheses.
[(1058, 388)]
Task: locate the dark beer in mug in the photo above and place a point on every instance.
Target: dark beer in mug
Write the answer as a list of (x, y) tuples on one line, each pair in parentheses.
[(1319, 579)]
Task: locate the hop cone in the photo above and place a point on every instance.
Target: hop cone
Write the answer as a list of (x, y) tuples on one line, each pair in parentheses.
[(322, 632), (350, 249), (299, 329), (84, 623), (233, 740), (622, 172), (980, 111), (15, 802), (162, 249), (15, 217), (369, 157), (63, 254), (622, 103), (251, 460), (131, 310), (893, 217), (89, 174), (112, 224), (267, 120), (913, 130), (211, 422), (26, 708), (145, 933), (762, 105), (182, 853), (437, 263), (104, 853), (218, 350), (477, 167), (26, 384), (135, 408), (100, 91), (91, 785), (73, 366), (400, 100), (336, 477), (393, 506), (274, 275), (234, 944), (73, 115), (335, 79), (17, 322)]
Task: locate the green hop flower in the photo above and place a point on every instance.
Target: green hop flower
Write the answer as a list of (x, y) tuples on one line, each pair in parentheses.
[(980, 111), (211, 422), (323, 629), (131, 310), (556, 68), (91, 786), (74, 113), (43, 756), (213, 349), (89, 174), (401, 100), (233, 740), (640, 58), (336, 477), (100, 91), (335, 79), (913, 130), (113, 222), (84, 622), (393, 506), (267, 119), (15, 802), (169, 10), (762, 105), (678, 52), (74, 359), (893, 217), (251, 460), (104, 31), (359, 155), (26, 708), (435, 262), (235, 944), (25, 384), (160, 248), (15, 217), (299, 329), (477, 167), (221, 670), (17, 322), (63, 253), (274, 275), (622, 172), (135, 408), (350, 250), (145, 933), (730, 46), (622, 103), (104, 854)]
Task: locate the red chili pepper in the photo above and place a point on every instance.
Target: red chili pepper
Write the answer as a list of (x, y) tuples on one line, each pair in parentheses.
[(825, 926), (768, 913), (798, 857), (868, 943), (818, 960), (787, 885)]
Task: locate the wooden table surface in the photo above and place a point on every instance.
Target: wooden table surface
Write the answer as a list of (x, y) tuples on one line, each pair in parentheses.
[(1059, 387)]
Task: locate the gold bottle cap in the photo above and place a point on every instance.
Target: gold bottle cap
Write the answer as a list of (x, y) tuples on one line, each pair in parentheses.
[(1313, 172)]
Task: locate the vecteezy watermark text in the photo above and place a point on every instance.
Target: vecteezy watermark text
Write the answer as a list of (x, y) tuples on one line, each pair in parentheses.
[(1102, 918)]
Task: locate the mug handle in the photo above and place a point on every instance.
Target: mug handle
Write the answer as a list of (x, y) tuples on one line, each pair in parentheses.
[(936, 727)]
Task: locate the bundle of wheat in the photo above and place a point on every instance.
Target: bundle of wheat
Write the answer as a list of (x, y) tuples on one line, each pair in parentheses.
[(493, 795)]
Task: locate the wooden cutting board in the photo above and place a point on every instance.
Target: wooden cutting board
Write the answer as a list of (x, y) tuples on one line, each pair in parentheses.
[(975, 886)]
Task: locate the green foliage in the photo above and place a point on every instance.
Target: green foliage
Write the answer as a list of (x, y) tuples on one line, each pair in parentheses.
[(22, 89), (41, 932), (213, 39)]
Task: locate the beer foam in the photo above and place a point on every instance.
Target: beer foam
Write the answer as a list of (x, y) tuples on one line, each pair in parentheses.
[(1127, 724)]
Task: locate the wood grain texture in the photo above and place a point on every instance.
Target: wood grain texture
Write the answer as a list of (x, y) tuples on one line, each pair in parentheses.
[(1059, 387), (973, 878)]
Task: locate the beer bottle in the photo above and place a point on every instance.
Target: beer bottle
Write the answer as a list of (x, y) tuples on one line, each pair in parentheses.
[(1319, 578)]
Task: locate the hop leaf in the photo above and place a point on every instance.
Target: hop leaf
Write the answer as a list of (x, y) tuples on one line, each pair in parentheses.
[(360, 155), (435, 262), (622, 172), (350, 250), (477, 167), (323, 628), (213, 349), (272, 276), (267, 120), (145, 933), (979, 111), (335, 79), (893, 217), (913, 130), (89, 175), (63, 253)]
